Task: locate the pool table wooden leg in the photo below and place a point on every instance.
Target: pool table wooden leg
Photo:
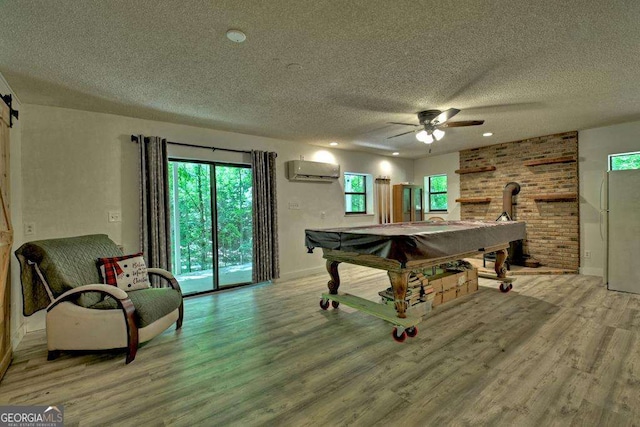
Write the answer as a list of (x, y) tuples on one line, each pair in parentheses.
[(399, 282), (499, 267), (334, 283)]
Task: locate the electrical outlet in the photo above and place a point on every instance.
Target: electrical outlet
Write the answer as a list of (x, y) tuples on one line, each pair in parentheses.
[(115, 216), (294, 205), (587, 254), (29, 228)]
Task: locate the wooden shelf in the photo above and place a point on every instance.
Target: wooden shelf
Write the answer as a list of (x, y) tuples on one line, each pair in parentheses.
[(474, 200), (550, 161), (555, 197), (475, 170)]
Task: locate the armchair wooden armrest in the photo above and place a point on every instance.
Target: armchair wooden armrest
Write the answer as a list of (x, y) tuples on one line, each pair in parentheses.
[(166, 275), (110, 290), (124, 303)]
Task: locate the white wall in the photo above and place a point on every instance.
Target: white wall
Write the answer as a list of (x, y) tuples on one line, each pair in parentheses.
[(17, 323), (79, 165), (594, 146), (442, 164)]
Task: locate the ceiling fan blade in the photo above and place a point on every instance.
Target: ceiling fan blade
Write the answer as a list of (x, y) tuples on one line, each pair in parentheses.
[(404, 124), (444, 116), (461, 124), (400, 134)]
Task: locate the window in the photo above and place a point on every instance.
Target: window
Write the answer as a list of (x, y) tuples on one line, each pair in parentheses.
[(437, 188), (355, 193), (619, 162)]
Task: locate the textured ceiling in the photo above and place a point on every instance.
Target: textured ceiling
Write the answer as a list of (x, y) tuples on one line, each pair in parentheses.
[(321, 71)]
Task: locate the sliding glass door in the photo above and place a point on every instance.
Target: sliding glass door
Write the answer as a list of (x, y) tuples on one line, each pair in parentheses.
[(234, 191), (211, 238)]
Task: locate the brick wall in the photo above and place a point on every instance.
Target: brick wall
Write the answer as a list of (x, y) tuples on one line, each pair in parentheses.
[(552, 225)]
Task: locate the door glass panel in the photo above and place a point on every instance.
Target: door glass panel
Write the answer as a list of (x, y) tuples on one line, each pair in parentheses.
[(406, 204), (234, 190), (417, 202), (191, 226)]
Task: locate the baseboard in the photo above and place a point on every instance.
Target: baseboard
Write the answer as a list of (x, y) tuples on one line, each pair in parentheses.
[(17, 336), (5, 362), (301, 273), (591, 271), (36, 322)]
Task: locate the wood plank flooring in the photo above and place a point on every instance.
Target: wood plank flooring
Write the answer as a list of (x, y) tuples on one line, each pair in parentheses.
[(557, 350)]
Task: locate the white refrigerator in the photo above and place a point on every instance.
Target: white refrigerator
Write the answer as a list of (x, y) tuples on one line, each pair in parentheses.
[(623, 231)]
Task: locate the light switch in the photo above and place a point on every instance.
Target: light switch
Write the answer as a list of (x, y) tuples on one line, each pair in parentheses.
[(29, 228), (115, 216)]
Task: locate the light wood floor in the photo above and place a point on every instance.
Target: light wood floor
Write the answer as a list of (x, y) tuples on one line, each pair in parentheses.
[(557, 350)]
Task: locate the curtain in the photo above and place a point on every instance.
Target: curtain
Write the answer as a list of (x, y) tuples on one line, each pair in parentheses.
[(265, 217), (155, 231), (383, 191)]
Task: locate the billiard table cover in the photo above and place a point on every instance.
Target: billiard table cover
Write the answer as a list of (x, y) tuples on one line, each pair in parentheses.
[(411, 241)]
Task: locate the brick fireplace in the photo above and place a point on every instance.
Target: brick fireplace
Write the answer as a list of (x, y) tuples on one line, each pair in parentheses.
[(547, 170)]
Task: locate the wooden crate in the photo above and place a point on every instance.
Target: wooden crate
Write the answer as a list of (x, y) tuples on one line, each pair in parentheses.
[(454, 284), (472, 285), (462, 290), (435, 289), (449, 295)]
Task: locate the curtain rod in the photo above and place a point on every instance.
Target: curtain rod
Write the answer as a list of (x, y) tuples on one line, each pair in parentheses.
[(134, 138)]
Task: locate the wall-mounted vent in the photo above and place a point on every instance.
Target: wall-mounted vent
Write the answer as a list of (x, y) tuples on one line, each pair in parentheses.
[(302, 170)]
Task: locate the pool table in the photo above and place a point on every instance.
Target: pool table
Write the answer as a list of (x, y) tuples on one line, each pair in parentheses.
[(405, 247)]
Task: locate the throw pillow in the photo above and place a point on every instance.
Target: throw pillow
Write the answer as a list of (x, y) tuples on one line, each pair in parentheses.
[(127, 272)]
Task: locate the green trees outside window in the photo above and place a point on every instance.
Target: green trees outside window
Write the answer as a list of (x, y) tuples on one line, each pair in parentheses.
[(234, 195), (193, 187), (437, 186), (626, 161), (355, 193), (191, 231)]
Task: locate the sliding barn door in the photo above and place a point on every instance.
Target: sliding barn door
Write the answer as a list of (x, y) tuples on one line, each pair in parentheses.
[(6, 240)]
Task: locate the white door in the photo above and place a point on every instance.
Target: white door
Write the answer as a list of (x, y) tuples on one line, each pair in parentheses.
[(624, 231)]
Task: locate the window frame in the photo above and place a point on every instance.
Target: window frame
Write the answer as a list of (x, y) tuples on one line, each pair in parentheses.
[(429, 193), (612, 156), (353, 193)]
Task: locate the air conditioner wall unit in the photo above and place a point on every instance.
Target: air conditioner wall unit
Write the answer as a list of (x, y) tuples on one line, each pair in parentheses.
[(302, 170)]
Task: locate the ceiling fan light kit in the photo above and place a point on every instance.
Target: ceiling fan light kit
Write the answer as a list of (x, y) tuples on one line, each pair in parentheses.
[(438, 134), (430, 122), (424, 136)]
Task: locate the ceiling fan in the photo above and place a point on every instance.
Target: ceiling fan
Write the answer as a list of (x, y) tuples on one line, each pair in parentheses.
[(431, 122)]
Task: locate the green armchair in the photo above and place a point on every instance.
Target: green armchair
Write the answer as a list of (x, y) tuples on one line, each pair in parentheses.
[(62, 276)]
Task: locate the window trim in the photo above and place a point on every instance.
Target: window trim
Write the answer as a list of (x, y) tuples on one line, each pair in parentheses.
[(364, 193), (429, 193), (612, 156)]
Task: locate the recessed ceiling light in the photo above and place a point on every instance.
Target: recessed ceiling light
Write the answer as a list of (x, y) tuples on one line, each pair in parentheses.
[(395, 153), (487, 134), (333, 143), (236, 36)]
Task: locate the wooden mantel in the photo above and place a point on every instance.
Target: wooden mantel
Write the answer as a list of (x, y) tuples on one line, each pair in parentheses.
[(476, 170), (538, 162), (555, 197), (474, 200)]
